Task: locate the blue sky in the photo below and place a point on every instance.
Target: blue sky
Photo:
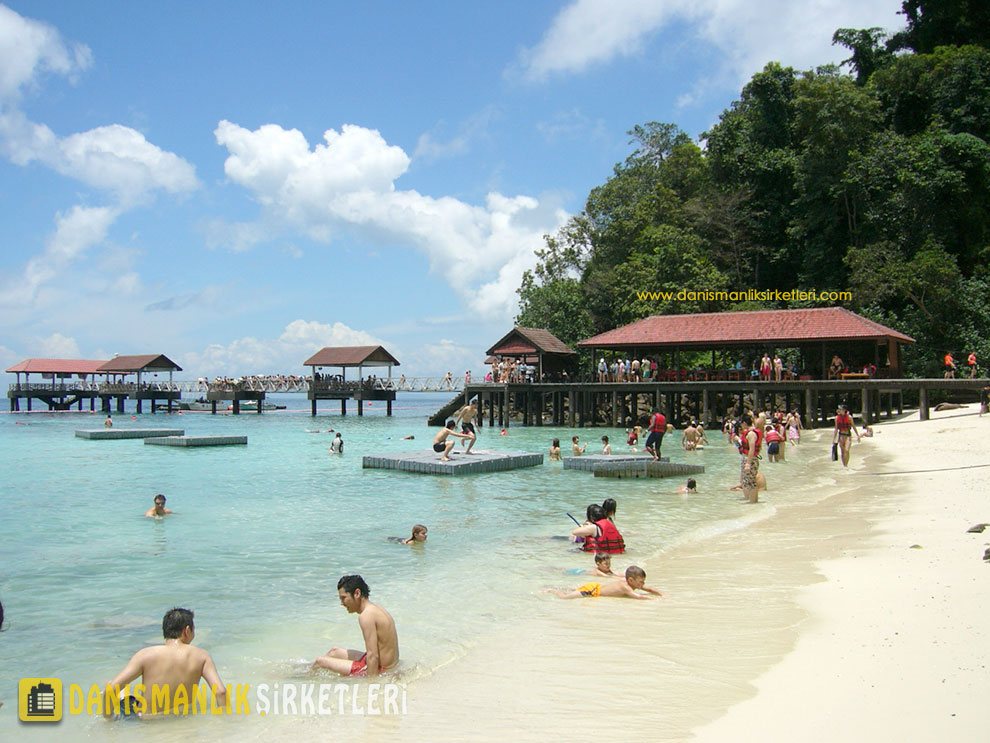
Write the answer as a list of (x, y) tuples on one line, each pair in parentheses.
[(239, 184)]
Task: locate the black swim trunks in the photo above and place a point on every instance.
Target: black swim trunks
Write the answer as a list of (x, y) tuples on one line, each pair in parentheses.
[(467, 428), (654, 440), (439, 447)]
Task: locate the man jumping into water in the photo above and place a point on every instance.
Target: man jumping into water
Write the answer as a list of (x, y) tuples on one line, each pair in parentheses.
[(380, 639), (465, 416)]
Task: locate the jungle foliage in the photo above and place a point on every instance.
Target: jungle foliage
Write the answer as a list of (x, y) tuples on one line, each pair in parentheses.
[(874, 180)]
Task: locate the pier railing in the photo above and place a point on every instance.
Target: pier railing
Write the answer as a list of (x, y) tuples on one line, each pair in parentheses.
[(248, 384)]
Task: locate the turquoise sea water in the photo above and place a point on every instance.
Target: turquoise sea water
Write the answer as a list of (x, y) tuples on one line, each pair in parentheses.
[(261, 533)]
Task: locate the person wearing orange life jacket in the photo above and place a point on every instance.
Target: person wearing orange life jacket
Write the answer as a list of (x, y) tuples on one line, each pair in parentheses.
[(599, 534), (658, 427), (773, 439), (950, 367), (749, 448), (971, 363), (844, 428)]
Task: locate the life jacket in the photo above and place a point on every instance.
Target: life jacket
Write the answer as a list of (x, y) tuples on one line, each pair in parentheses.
[(972, 359), (744, 442), (948, 359), (658, 424), (610, 540), (843, 422), (772, 435)]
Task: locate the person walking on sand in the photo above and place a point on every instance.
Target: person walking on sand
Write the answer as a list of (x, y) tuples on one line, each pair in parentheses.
[(381, 642), (842, 433)]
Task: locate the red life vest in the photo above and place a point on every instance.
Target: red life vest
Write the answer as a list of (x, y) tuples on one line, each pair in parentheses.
[(610, 540), (843, 422), (658, 424), (744, 444), (772, 435)]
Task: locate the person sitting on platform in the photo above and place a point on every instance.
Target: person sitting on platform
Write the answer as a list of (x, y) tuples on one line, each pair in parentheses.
[(835, 368)]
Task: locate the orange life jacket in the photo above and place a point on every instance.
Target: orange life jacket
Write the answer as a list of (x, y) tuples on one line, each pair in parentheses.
[(744, 444), (609, 541)]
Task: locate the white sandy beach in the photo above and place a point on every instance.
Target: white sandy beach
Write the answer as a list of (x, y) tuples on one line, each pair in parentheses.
[(819, 622), (896, 646)]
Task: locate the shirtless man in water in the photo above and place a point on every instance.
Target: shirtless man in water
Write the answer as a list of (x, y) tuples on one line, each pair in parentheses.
[(380, 639), (158, 510), (465, 416), (170, 666)]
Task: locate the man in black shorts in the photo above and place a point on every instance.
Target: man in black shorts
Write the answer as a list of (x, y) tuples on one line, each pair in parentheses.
[(442, 443), (657, 427), (465, 416)]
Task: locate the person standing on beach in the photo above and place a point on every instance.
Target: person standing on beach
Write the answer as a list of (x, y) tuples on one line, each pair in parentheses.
[(169, 666), (466, 416), (842, 433), (657, 427), (381, 642)]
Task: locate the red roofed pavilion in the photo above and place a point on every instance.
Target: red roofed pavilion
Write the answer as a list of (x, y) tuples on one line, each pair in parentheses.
[(534, 346), (818, 332)]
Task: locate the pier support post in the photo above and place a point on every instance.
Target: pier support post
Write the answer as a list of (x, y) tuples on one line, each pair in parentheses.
[(503, 401), (615, 407), (706, 411), (139, 406), (923, 404), (570, 409), (261, 404), (343, 407), (668, 400), (867, 409), (237, 406), (120, 404), (388, 411), (360, 405), (541, 403), (809, 408), (213, 407)]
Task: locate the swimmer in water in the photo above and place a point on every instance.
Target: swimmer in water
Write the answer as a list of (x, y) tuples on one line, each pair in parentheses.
[(418, 535), (690, 487), (555, 451), (625, 589), (158, 510)]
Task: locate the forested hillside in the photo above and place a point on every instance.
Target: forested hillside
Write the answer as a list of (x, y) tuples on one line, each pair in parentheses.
[(872, 177)]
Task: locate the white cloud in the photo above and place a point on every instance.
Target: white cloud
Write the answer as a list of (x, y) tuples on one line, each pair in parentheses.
[(349, 183), (434, 359), (282, 355), (595, 31), (75, 232), (57, 346), (429, 147), (29, 48), (746, 34)]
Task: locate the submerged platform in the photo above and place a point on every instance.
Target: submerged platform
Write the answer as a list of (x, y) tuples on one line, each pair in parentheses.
[(588, 462), (632, 469), (127, 433), (197, 440), (428, 462)]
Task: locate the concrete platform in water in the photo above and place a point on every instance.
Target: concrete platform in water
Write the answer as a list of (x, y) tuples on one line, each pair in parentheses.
[(649, 468), (428, 462), (590, 461), (197, 440), (127, 433)]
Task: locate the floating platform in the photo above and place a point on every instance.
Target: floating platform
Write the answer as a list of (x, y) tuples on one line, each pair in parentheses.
[(588, 462), (428, 462), (632, 469), (127, 433), (197, 440)]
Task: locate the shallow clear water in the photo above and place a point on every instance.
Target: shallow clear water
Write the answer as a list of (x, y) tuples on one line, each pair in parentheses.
[(261, 533)]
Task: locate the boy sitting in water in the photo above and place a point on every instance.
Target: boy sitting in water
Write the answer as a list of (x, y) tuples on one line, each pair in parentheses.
[(635, 577)]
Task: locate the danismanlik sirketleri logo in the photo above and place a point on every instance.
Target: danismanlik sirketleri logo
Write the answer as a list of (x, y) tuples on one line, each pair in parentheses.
[(39, 700)]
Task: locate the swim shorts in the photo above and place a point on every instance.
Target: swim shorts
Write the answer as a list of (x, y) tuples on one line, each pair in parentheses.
[(439, 447), (360, 667), (130, 708), (748, 479), (467, 428), (773, 447), (591, 589), (654, 440)]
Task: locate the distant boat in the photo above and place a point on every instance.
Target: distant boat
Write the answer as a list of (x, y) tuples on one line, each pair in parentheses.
[(253, 405), (199, 404)]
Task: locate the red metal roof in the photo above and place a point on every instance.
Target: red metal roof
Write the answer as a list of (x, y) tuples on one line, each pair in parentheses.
[(352, 356), (521, 340), (56, 366), (144, 362), (758, 327)]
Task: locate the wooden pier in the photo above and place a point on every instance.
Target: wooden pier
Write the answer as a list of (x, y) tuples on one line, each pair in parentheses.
[(620, 404)]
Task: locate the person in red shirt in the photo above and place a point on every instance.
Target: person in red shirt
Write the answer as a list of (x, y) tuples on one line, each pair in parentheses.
[(950, 367), (971, 363)]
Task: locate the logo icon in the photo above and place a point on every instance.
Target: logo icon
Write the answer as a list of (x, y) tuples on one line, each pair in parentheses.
[(39, 700)]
